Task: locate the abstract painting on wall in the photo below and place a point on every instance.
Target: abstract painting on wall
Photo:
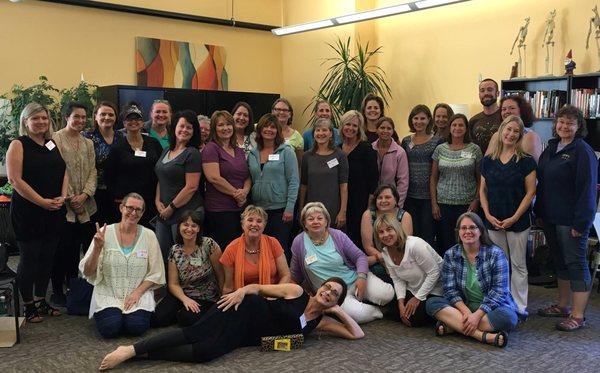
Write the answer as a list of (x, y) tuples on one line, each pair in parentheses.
[(176, 64)]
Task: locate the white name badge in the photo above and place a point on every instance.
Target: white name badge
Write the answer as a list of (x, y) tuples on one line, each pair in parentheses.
[(195, 262), (310, 259), (302, 321), (466, 154), (142, 254), (332, 163), (140, 153), (50, 145), (273, 157), (411, 145)]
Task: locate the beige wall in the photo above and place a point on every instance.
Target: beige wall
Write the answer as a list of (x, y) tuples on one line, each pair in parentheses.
[(63, 41)]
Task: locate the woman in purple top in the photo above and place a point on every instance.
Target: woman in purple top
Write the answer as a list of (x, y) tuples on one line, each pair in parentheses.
[(227, 180)]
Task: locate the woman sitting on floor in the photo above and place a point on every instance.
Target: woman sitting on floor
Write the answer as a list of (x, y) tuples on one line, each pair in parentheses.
[(254, 257), (413, 265), (321, 252), (125, 265), (195, 275), (477, 300), (234, 323)]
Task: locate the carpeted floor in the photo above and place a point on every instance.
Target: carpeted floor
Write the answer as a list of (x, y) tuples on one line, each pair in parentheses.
[(70, 344)]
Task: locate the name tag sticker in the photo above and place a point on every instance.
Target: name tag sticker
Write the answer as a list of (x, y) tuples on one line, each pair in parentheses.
[(273, 157), (310, 259), (466, 154), (302, 321), (332, 163), (142, 254), (140, 153), (195, 262), (50, 145)]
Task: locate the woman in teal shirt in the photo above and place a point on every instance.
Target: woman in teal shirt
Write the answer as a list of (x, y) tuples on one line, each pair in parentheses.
[(274, 170)]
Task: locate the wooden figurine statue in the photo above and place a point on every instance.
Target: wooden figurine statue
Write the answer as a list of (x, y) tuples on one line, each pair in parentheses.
[(548, 42), (521, 35), (595, 24)]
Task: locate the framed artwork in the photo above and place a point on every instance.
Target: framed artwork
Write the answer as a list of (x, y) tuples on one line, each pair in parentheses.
[(176, 64)]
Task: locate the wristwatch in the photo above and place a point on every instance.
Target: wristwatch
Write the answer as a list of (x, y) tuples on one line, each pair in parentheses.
[(172, 205)]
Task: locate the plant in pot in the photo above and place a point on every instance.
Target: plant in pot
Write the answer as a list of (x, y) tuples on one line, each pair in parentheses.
[(349, 78)]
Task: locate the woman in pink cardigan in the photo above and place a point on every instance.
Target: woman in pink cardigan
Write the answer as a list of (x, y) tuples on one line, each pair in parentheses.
[(391, 159)]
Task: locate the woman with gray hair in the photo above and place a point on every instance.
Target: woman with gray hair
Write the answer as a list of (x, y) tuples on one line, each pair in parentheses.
[(321, 252), (362, 171), (324, 174), (38, 175), (204, 122), (254, 257)]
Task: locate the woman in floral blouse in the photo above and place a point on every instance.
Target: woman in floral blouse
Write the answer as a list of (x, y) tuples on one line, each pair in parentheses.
[(195, 275)]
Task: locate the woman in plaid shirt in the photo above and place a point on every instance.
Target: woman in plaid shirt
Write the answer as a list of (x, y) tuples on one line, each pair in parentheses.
[(477, 300)]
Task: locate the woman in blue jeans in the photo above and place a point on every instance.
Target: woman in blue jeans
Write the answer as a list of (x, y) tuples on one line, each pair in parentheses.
[(125, 265), (477, 300), (565, 208)]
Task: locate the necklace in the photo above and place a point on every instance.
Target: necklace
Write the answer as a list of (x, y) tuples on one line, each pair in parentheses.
[(319, 241), (252, 251)]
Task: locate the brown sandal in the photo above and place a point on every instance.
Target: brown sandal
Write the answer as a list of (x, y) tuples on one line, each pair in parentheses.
[(554, 311), (570, 324), (43, 308)]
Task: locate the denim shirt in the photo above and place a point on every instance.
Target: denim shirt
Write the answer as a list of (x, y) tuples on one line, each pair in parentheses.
[(492, 274)]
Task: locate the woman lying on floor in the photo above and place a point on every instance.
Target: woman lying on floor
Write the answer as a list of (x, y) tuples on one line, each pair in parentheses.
[(233, 323)]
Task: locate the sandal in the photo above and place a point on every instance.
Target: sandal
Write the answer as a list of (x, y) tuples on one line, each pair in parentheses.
[(43, 308), (570, 324), (440, 329), (31, 314), (497, 342), (554, 311)]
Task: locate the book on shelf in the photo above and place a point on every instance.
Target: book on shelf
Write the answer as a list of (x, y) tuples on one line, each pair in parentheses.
[(587, 100), (545, 104)]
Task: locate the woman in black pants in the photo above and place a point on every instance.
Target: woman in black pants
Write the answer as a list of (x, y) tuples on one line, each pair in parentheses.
[(37, 173), (195, 275), (236, 324)]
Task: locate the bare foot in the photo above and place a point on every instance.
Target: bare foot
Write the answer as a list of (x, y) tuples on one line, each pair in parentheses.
[(116, 357)]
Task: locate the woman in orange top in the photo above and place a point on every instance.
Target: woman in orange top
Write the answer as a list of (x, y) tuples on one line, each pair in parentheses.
[(254, 257)]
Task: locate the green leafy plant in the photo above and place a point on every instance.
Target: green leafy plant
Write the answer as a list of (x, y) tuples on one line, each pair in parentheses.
[(8, 130), (43, 93), (350, 77)]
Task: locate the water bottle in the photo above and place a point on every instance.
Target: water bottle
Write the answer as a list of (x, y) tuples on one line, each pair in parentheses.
[(3, 306)]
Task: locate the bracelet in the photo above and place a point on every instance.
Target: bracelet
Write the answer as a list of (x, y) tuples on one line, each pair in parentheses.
[(362, 275), (172, 205)]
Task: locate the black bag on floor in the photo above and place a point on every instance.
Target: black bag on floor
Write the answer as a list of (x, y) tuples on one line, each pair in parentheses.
[(79, 297)]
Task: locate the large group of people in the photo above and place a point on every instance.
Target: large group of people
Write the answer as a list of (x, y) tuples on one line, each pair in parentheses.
[(256, 230)]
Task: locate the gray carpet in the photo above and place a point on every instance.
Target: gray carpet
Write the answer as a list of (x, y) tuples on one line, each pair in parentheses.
[(70, 344)]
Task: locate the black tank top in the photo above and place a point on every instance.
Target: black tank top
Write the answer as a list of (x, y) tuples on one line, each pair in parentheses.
[(43, 170)]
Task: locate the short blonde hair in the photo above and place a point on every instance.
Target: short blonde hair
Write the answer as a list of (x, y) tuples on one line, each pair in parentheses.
[(311, 208), (30, 110), (254, 210), (347, 117), (391, 221)]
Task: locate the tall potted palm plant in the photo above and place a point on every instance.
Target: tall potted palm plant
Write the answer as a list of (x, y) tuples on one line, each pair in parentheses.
[(350, 77)]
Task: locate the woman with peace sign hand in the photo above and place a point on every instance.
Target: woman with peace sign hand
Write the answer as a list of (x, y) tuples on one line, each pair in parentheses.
[(125, 265)]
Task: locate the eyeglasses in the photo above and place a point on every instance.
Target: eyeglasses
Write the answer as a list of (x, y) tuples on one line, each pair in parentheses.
[(328, 287), (471, 228), (131, 209), (282, 110)]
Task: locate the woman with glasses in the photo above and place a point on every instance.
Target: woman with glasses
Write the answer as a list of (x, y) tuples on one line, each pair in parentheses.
[(282, 109), (78, 153), (103, 136), (243, 120), (178, 170), (123, 304), (475, 280), (243, 317), (130, 165), (38, 175)]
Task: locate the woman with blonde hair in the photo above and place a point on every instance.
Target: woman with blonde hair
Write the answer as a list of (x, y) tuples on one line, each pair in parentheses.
[(414, 267), (254, 257), (507, 188), (362, 171)]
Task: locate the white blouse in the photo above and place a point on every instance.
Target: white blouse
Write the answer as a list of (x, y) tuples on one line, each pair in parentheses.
[(418, 272), (118, 275)]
